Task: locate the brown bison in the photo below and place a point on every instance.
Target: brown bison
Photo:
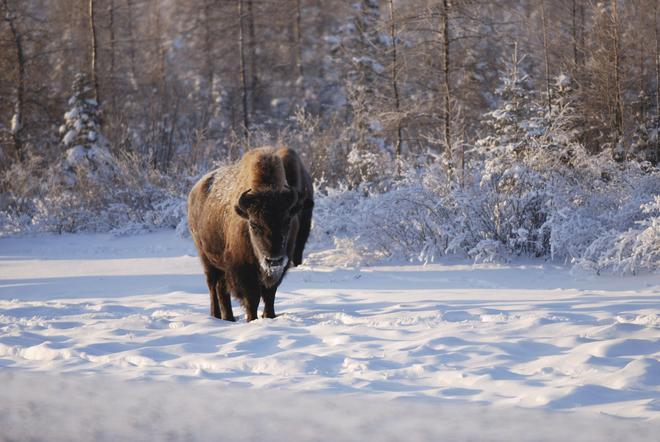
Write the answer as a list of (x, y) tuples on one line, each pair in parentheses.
[(250, 222)]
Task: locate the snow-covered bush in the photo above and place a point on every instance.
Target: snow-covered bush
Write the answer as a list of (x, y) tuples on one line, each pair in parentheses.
[(513, 197), (408, 221), (136, 200), (368, 168), (86, 187), (530, 188), (627, 252), (595, 221)]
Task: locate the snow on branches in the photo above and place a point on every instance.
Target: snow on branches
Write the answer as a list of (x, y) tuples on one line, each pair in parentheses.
[(86, 149)]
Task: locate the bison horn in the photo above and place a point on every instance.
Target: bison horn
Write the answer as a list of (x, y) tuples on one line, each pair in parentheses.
[(244, 200), (243, 203)]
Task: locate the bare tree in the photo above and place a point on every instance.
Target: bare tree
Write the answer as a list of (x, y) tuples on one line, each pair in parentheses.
[(94, 51), (657, 84), (209, 65), (447, 84), (244, 86), (19, 104), (616, 55), (252, 51), (395, 87), (160, 46), (131, 38), (113, 54), (545, 58), (300, 81), (574, 33)]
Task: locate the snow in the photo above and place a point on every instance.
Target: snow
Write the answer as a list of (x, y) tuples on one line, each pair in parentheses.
[(15, 125), (563, 80), (368, 61), (109, 410), (69, 137), (96, 325), (76, 155)]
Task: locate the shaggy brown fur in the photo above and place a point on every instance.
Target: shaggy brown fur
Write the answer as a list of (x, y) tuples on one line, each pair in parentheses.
[(250, 222)]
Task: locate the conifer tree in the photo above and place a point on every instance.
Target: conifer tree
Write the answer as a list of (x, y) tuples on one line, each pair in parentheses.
[(82, 122), (644, 138), (86, 149), (512, 192)]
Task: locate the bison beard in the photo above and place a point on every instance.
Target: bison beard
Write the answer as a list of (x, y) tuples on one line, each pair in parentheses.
[(250, 222)]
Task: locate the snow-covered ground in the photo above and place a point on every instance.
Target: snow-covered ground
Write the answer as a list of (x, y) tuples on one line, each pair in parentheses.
[(525, 348)]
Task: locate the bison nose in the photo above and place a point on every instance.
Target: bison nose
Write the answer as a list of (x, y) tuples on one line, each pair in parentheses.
[(275, 262)]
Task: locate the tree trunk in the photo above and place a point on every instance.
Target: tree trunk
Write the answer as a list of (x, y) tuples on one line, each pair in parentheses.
[(618, 110), (131, 40), (583, 24), (642, 70), (545, 57), (208, 61), (657, 86), (395, 87), (447, 86), (300, 81), (19, 106), (94, 52), (244, 91), (575, 38), (162, 74), (164, 119), (113, 52), (252, 47)]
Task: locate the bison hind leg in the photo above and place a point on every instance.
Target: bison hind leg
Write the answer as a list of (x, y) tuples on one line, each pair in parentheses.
[(224, 299), (212, 277), (268, 295), (219, 296), (251, 305), (243, 286)]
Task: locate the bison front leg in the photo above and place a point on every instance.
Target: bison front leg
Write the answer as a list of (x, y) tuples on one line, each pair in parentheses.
[(251, 305), (243, 283), (268, 295)]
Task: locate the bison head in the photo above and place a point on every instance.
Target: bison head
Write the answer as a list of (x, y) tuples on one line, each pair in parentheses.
[(269, 215)]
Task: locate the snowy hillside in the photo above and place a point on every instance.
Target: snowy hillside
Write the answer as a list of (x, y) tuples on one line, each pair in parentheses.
[(522, 335)]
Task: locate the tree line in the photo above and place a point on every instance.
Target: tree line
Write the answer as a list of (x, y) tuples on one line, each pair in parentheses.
[(180, 84)]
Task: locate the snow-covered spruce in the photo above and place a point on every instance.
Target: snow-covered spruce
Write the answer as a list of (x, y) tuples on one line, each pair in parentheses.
[(85, 147)]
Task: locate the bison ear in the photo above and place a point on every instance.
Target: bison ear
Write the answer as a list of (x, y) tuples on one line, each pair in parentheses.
[(243, 203)]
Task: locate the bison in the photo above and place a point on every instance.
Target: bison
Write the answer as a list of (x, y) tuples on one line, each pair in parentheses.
[(250, 222)]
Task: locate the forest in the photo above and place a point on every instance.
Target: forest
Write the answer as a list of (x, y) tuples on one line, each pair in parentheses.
[(482, 129)]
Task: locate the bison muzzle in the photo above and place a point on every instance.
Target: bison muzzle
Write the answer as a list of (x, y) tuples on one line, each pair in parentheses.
[(250, 222)]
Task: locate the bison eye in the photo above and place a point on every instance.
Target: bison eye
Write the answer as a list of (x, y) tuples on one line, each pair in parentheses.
[(256, 227)]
